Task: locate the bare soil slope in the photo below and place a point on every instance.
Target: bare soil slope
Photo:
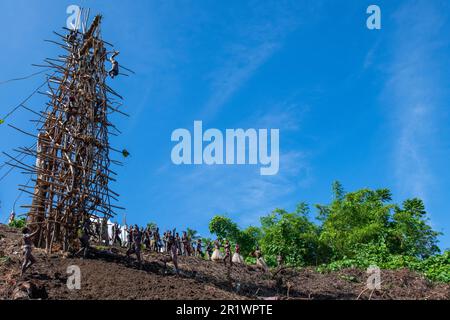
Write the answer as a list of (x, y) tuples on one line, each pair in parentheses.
[(109, 275)]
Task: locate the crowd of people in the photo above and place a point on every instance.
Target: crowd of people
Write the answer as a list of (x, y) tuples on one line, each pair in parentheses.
[(149, 239), (172, 243)]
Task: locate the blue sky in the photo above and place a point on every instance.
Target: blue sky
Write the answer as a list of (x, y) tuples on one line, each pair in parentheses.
[(366, 107)]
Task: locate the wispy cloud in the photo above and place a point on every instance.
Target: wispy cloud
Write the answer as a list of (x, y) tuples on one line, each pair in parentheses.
[(255, 43), (414, 89), (286, 115)]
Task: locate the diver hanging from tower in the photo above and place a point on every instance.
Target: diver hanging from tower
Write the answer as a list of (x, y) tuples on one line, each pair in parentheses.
[(114, 65)]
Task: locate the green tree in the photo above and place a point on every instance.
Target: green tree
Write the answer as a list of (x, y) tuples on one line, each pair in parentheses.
[(367, 217), (224, 228), (248, 239), (151, 225), (410, 233), (192, 234), (338, 191), (291, 235), (354, 218)]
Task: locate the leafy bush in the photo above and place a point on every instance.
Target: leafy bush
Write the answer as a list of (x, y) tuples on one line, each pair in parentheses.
[(436, 267), (18, 223)]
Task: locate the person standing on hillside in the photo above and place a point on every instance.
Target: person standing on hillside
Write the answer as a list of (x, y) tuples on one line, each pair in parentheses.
[(227, 256), (184, 241), (165, 239), (12, 216), (98, 232), (216, 256), (113, 234), (129, 237), (137, 237), (116, 231), (209, 250), (158, 244), (198, 249), (260, 262), (147, 238), (105, 236), (152, 236), (136, 244), (237, 258), (172, 246), (28, 259), (178, 241), (84, 237)]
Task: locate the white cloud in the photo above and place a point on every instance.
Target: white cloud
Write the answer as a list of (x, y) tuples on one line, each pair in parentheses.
[(413, 89), (286, 115)]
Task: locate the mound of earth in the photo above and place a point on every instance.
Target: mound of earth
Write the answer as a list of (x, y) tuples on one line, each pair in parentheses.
[(108, 274)]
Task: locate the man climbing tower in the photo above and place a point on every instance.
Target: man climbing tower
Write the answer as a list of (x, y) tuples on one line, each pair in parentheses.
[(114, 65)]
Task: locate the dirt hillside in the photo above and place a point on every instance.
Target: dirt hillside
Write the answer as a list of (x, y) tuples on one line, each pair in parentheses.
[(107, 274)]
